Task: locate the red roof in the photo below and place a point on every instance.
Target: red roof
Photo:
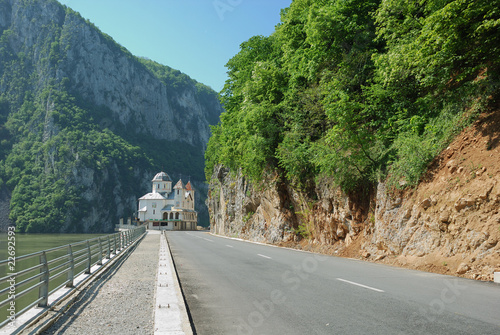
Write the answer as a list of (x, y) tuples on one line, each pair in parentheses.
[(179, 184), (188, 186)]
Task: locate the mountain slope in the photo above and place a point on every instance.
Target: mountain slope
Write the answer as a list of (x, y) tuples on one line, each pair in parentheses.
[(84, 125)]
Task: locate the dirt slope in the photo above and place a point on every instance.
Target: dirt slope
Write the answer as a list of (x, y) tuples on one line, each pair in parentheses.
[(457, 204)]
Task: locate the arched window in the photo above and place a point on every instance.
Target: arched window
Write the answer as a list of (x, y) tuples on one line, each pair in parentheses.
[(171, 216), (177, 216), (165, 216)]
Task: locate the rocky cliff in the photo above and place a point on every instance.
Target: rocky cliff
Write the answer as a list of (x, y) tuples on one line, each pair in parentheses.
[(449, 224), (92, 65), (79, 109)]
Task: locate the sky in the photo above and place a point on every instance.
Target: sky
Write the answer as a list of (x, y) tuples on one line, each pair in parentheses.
[(197, 37)]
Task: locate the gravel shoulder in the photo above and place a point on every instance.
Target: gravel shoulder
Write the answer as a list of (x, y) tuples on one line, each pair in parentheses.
[(121, 301)]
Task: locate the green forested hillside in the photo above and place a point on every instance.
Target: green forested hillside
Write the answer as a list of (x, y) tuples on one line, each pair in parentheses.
[(46, 152), (357, 90), (80, 143)]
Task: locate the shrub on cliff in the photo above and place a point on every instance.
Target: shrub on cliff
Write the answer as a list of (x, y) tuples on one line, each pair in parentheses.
[(357, 89)]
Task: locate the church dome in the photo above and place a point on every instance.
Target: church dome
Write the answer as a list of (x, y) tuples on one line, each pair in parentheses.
[(162, 176)]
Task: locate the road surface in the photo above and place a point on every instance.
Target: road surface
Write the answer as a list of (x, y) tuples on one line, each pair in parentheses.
[(236, 287)]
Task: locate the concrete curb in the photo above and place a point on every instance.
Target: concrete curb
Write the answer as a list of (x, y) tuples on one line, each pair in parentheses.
[(171, 317)]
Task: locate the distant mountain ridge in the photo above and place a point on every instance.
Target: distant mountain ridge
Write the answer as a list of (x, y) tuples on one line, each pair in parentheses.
[(84, 124)]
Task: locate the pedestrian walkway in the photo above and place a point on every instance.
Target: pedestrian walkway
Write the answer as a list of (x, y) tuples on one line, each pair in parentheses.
[(121, 301), (127, 299)]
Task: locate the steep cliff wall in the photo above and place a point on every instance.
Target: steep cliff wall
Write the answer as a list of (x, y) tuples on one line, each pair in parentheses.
[(92, 65), (85, 125), (449, 224)]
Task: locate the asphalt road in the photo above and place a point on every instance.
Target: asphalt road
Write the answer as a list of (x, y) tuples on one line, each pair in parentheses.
[(236, 287)]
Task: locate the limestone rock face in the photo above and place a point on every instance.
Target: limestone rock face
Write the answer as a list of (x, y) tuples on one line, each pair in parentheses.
[(386, 225), (275, 212), (238, 210), (105, 74)]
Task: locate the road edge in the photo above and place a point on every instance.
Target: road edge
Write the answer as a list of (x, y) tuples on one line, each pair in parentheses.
[(171, 312)]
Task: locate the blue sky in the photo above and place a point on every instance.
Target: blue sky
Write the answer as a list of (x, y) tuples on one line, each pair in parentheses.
[(197, 37)]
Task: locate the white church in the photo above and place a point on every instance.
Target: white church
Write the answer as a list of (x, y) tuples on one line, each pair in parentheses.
[(166, 208)]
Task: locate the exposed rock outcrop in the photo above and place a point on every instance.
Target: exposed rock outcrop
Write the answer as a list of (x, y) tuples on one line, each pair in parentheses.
[(449, 224)]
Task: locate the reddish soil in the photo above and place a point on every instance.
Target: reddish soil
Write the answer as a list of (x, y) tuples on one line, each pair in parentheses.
[(468, 169)]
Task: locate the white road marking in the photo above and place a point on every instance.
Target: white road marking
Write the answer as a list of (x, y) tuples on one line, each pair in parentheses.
[(206, 239), (264, 256), (229, 246), (360, 285)]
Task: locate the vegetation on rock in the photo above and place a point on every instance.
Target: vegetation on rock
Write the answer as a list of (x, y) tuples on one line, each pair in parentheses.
[(357, 90)]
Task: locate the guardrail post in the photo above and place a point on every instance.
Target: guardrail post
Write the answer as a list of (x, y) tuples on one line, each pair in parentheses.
[(116, 237), (89, 259), (109, 249), (71, 267), (99, 262), (43, 291)]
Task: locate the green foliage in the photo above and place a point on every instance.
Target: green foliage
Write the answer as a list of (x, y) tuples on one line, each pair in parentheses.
[(249, 133), (414, 149), (442, 44), (357, 90), (42, 168), (303, 230), (247, 217), (293, 155), (173, 78)]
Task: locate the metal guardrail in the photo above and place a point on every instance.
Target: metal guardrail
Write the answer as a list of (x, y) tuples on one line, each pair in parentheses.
[(46, 271)]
